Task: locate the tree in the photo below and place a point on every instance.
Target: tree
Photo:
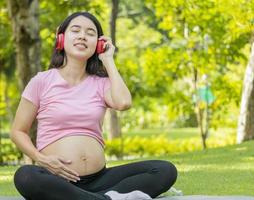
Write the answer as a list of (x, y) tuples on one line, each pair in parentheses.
[(25, 25), (217, 33), (246, 119), (115, 128), (24, 16)]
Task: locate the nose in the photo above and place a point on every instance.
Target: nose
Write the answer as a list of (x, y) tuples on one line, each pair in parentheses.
[(82, 35)]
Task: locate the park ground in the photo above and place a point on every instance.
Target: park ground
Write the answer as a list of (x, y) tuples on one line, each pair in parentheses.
[(227, 170)]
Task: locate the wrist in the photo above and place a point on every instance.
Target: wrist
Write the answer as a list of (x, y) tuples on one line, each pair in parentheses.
[(108, 62), (39, 157)]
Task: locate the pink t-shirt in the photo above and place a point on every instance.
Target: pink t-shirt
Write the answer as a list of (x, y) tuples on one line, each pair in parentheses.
[(65, 110)]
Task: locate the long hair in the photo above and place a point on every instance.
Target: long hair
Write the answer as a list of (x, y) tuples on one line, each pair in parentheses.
[(94, 65)]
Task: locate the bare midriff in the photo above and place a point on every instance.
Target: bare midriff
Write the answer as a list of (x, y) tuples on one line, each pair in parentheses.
[(86, 153)]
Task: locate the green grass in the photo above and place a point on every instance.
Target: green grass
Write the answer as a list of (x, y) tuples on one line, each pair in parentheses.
[(223, 171), (175, 133), (6, 181), (180, 133), (218, 171)]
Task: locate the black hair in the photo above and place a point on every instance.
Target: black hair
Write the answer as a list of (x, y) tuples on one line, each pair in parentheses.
[(94, 65)]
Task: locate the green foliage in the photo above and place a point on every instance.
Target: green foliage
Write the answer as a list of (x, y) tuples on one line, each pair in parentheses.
[(160, 46), (7, 52), (9, 152), (206, 36), (159, 145), (211, 45), (144, 143)]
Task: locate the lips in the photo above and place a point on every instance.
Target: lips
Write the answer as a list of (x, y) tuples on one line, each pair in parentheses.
[(82, 45)]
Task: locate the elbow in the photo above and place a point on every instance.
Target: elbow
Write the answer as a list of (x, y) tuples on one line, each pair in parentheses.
[(124, 106), (13, 134)]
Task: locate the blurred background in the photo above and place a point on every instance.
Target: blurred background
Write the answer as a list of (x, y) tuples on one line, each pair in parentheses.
[(187, 64)]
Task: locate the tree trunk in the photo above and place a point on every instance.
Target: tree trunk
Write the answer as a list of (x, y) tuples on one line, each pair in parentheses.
[(246, 119), (25, 24), (24, 16), (115, 128), (198, 110)]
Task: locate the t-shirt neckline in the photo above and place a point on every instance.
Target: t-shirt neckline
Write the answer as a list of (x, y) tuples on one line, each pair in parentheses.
[(67, 83)]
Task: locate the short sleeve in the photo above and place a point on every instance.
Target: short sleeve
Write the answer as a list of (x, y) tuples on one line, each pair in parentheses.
[(104, 85), (31, 91)]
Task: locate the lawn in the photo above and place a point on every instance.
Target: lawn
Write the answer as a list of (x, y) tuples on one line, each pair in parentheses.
[(218, 171), (181, 133)]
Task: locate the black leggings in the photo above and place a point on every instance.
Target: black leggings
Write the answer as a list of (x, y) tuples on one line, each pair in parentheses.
[(152, 177)]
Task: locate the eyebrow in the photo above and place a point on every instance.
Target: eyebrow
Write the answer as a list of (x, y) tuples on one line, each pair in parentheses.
[(78, 26)]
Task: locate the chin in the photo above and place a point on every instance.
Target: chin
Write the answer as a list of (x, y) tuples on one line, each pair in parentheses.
[(81, 57)]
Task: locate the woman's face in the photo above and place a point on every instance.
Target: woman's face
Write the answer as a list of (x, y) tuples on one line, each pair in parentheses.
[(80, 38)]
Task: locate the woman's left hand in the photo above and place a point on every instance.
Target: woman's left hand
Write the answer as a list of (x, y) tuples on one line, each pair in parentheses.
[(109, 51)]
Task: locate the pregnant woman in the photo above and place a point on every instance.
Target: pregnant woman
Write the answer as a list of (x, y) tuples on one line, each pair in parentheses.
[(69, 101)]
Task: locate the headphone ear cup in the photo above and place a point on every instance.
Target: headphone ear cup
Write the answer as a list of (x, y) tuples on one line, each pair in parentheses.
[(60, 41), (99, 47)]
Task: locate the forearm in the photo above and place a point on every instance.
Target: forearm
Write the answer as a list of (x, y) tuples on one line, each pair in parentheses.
[(24, 143), (120, 93)]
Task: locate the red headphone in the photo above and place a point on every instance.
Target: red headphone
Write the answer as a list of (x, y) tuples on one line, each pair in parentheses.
[(60, 41), (99, 46)]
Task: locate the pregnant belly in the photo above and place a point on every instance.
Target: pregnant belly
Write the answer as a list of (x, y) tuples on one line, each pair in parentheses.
[(86, 153)]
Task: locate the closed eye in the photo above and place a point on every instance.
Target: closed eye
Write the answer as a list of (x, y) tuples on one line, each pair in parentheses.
[(91, 33), (75, 30)]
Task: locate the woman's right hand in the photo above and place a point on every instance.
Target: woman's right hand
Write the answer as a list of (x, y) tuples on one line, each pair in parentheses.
[(55, 164)]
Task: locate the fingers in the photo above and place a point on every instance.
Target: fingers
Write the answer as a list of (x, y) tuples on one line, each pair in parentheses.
[(65, 173), (69, 176), (70, 171), (65, 161), (66, 168), (60, 169), (108, 42), (106, 46)]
